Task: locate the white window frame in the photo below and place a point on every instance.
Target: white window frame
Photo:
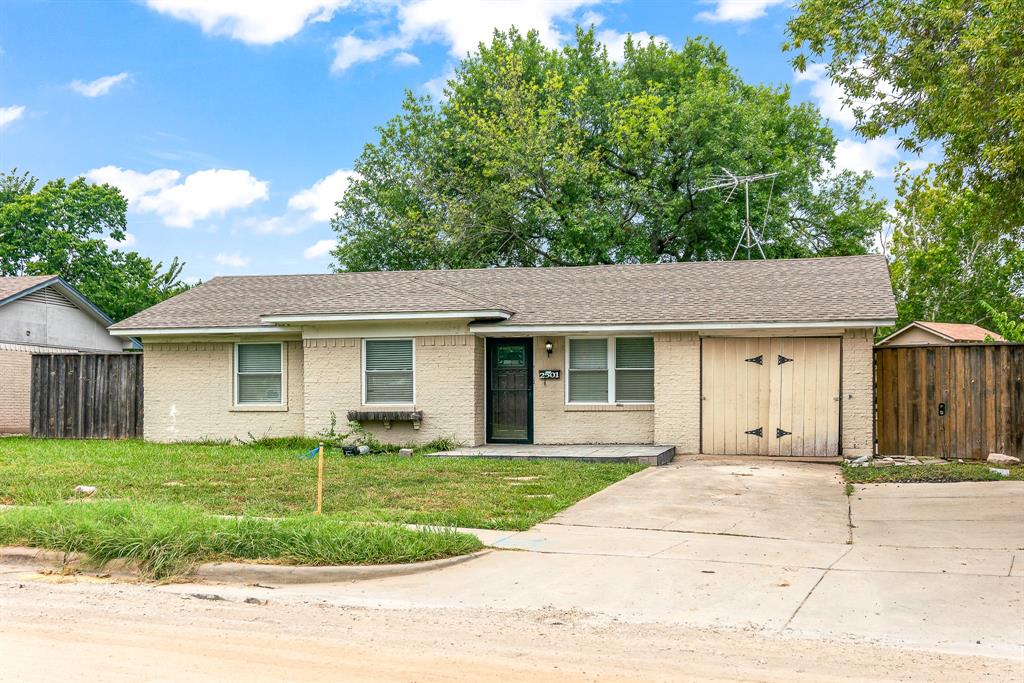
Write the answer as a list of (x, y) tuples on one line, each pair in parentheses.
[(362, 375), (611, 362), (235, 373)]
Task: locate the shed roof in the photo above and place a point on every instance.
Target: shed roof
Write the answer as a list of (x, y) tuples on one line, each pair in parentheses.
[(952, 333), (850, 288)]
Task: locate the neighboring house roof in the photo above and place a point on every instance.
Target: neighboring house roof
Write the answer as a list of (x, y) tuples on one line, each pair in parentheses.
[(950, 332), (837, 289), (13, 288)]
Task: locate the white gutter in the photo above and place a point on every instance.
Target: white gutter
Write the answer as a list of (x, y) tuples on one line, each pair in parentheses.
[(671, 327), (286, 319), (155, 331)]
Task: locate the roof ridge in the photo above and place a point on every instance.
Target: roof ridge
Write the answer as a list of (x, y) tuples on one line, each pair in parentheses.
[(464, 295)]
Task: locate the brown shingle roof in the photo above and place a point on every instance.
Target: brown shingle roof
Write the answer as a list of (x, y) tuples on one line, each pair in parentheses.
[(959, 332), (12, 285), (793, 290)]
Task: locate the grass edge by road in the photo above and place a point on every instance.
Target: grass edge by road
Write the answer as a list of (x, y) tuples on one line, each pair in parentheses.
[(168, 540)]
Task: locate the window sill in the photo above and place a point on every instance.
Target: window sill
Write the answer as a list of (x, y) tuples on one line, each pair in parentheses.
[(259, 408), (609, 407)]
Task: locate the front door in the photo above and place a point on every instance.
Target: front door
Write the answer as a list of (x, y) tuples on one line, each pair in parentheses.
[(510, 390)]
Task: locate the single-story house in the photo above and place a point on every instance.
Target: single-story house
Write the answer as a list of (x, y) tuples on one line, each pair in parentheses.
[(758, 357), (43, 314), (924, 333)]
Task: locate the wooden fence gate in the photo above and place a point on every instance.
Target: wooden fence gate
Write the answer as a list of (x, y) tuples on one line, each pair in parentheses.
[(87, 396), (957, 401)]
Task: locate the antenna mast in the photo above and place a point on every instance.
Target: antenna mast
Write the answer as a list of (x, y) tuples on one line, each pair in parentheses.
[(750, 238)]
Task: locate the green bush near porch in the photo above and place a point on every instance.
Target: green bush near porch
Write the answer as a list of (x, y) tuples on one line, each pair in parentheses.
[(262, 480)]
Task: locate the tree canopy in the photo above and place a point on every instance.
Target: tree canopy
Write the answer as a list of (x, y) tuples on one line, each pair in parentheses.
[(949, 76), (541, 156), (60, 229)]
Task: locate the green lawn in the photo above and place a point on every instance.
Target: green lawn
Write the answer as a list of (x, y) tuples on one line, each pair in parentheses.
[(271, 481), (954, 471)]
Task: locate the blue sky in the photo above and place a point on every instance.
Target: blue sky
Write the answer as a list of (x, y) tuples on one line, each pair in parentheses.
[(232, 125)]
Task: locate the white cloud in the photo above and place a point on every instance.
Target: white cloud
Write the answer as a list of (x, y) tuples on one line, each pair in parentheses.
[(737, 10), (10, 114), (320, 249), (258, 22), (406, 59), (351, 50), (200, 195), (615, 42), (133, 184), (877, 156), (128, 242), (829, 95), (320, 199), (435, 86), (460, 25), (100, 86), (232, 260)]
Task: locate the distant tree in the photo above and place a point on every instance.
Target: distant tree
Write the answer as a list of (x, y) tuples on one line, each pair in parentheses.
[(542, 156), (1008, 327), (948, 260), (59, 229)]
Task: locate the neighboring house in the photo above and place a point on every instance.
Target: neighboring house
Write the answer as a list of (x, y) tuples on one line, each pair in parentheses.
[(769, 357), (43, 314), (923, 332)]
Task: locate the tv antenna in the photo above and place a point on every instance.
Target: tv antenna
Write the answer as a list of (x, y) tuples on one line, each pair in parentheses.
[(750, 238)]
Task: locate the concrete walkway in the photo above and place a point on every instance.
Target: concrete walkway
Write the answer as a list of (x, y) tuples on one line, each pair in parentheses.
[(749, 544)]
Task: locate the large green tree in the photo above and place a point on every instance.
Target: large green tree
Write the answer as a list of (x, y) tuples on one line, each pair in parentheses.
[(541, 156), (60, 228), (946, 75)]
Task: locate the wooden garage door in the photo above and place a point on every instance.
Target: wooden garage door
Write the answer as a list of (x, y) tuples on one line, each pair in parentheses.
[(770, 396)]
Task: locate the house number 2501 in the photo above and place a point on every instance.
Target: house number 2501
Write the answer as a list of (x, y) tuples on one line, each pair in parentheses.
[(550, 374)]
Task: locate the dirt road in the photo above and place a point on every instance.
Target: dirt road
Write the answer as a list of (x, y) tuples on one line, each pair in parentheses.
[(55, 629)]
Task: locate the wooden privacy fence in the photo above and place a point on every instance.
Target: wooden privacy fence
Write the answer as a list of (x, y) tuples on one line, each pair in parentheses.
[(957, 401), (87, 396)]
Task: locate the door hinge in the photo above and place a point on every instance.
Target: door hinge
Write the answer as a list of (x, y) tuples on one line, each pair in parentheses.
[(756, 359), (779, 433), (783, 359), (755, 432)]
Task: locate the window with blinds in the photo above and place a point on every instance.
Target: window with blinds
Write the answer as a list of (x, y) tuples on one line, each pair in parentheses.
[(615, 370), (389, 375), (634, 370), (588, 370), (257, 373)]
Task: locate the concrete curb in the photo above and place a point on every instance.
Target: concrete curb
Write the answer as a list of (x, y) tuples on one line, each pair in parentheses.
[(242, 572)]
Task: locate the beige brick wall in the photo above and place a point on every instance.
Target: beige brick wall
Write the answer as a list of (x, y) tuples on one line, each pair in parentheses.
[(449, 388), (15, 390), (677, 392), (554, 422), (858, 392), (189, 392)]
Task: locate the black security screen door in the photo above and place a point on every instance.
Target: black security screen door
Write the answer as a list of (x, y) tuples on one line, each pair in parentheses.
[(510, 391)]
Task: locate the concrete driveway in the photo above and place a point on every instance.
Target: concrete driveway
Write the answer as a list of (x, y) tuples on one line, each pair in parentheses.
[(754, 544)]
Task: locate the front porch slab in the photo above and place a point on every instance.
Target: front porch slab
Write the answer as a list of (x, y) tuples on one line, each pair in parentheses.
[(643, 454)]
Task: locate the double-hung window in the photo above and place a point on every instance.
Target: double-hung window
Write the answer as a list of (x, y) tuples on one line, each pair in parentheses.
[(611, 370), (258, 371), (388, 371)]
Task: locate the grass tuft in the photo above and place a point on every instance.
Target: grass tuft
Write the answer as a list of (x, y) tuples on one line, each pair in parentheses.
[(950, 472), (167, 540)]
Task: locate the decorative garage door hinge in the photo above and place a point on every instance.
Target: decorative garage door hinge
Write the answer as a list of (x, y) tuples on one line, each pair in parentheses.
[(779, 433), (755, 432), (783, 359), (756, 359)]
